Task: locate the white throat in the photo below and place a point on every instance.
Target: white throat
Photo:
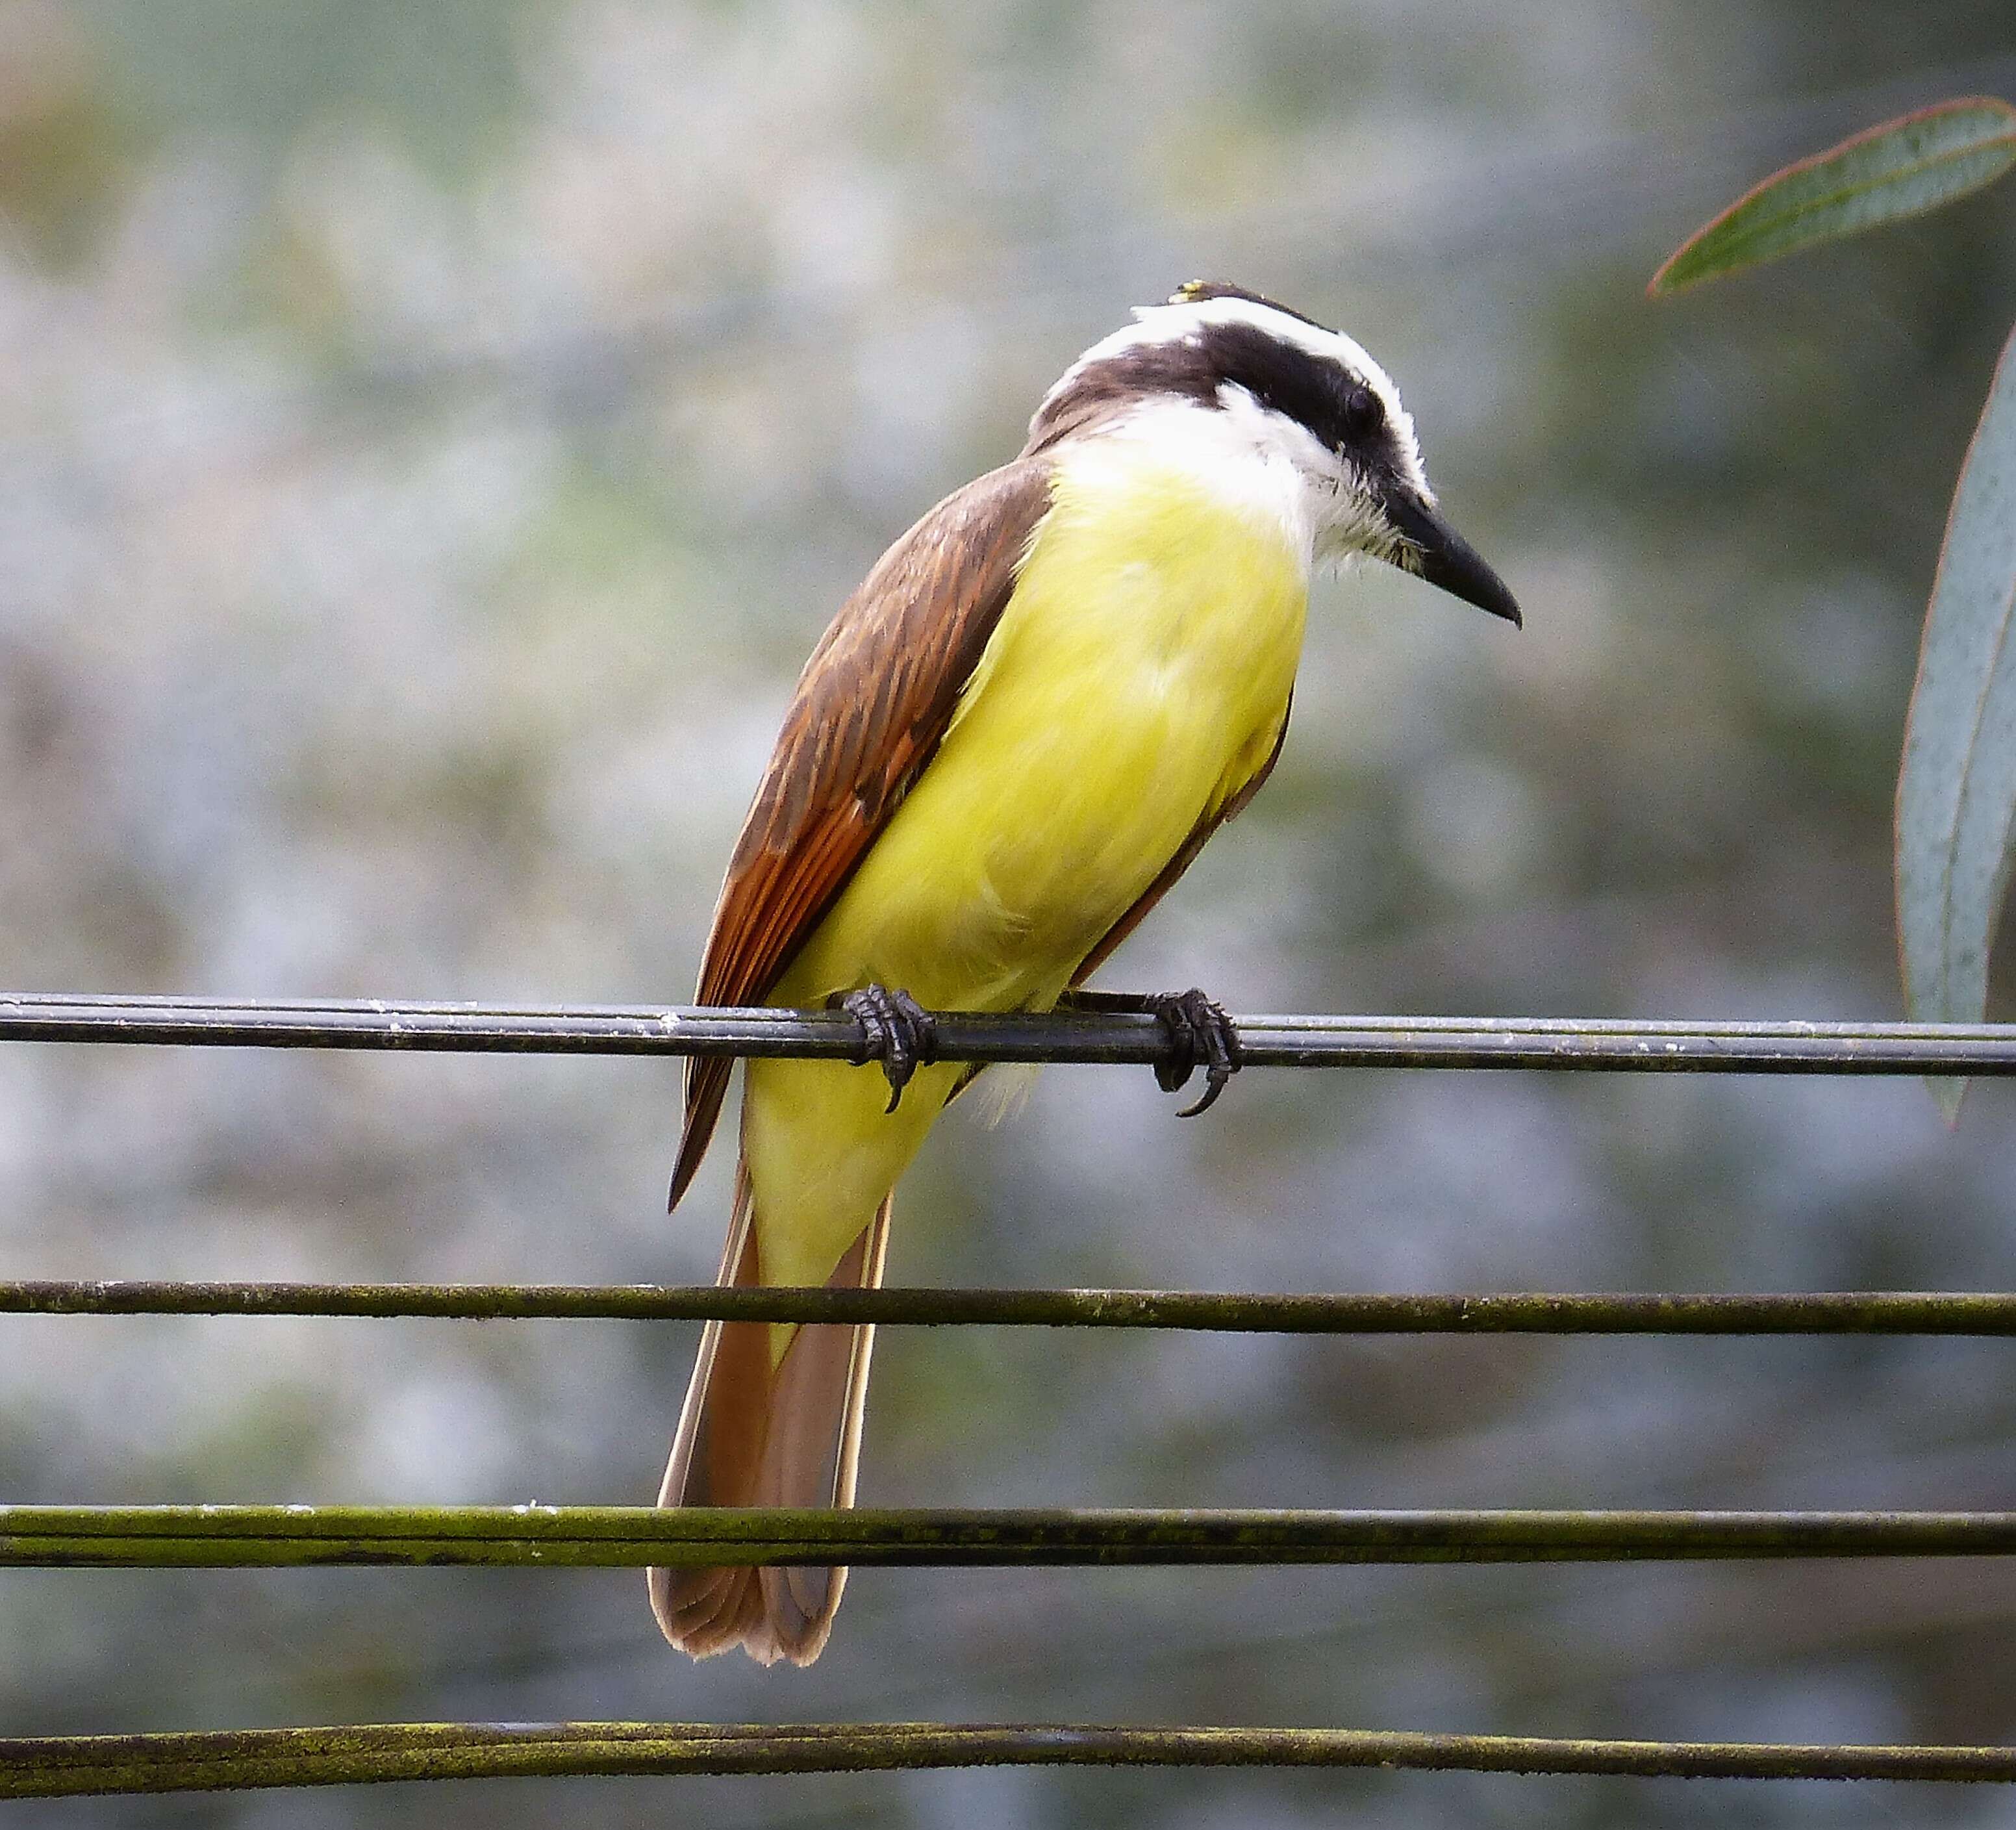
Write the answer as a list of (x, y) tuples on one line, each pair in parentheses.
[(1235, 455)]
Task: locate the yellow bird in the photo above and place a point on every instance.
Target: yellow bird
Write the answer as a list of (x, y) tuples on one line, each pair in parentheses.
[(1014, 737)]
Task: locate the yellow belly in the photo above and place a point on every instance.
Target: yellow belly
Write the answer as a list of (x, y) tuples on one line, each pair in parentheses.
[(1137, 681)]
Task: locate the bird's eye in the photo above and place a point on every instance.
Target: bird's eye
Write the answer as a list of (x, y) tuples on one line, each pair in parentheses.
[(1363, 411)]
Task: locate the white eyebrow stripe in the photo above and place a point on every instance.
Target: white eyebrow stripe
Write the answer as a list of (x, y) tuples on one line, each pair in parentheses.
[(1180, 321)]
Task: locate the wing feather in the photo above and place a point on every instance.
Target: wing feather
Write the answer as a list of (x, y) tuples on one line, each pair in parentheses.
[(870, 710)]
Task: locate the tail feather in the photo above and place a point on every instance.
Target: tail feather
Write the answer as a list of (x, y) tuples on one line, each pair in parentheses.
[(752, 1437)]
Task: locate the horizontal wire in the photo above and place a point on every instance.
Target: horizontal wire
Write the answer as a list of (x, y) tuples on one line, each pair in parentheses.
[(162, 1537), (72, 1766), (1827, 1312), (100, 1537), (1667, 1046)]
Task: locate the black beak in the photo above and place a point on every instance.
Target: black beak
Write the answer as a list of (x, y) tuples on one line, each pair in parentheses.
[(1442, 556)]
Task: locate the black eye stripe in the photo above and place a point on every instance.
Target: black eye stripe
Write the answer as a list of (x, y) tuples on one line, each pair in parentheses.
[(1340, 410), (1334, 403)]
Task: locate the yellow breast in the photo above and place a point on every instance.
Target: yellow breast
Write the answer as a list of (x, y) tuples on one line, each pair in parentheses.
[(1136, 680)]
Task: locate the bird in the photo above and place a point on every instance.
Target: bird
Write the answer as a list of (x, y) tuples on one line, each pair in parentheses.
[(1016, 735)]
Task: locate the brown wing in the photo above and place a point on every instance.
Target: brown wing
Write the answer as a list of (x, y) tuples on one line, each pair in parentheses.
[(1185, 857), (869, 711)]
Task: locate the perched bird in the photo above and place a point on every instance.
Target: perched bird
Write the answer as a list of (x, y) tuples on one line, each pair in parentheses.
[(1014, 737)]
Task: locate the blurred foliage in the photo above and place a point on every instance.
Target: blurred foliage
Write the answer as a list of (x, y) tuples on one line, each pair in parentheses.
[(66, 157), (432, 441), (444, 80)]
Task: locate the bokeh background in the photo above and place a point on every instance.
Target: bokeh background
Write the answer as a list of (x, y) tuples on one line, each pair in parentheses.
[(430, 438)]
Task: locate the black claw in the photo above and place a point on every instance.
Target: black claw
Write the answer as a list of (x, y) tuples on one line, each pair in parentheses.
[(895, 1030), (1199, 1032)]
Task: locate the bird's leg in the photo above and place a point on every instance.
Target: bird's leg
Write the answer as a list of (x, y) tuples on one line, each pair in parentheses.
[(895, 1030), (1197, 1027)]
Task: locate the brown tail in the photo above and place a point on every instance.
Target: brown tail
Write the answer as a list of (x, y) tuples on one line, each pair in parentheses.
[(748, 1436)]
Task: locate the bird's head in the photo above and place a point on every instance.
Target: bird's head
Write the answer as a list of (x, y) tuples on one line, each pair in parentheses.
[(1300, 396)]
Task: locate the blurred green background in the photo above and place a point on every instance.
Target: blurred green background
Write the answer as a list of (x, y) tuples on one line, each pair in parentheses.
[(431, 437)]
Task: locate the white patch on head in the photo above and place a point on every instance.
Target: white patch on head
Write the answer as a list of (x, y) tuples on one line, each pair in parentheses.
[(1339, 517)]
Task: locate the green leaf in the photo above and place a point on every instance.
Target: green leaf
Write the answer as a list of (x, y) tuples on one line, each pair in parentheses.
[(1956, 793), (1915, 163)]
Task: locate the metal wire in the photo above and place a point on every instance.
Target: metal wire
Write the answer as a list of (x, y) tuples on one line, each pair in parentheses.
[(241, 1759), (1089, 1036), (1986, 1313), (158, 1537), (533, 1535)]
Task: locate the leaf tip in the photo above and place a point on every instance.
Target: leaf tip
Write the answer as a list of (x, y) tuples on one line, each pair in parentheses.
[(1674, 274)]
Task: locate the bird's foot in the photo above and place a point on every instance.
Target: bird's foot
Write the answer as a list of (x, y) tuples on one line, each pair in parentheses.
[(1200, 1034), (895, 1030)]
